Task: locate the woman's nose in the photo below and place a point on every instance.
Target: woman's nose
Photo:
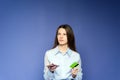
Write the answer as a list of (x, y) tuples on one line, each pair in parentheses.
[(61, 36)]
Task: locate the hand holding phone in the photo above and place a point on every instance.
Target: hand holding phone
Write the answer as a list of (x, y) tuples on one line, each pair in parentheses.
[(52, 67)]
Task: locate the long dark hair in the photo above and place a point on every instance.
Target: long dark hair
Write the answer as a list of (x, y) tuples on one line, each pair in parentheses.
[(70, 36)]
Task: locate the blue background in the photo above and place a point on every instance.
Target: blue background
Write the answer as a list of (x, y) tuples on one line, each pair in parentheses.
[(27, 30)]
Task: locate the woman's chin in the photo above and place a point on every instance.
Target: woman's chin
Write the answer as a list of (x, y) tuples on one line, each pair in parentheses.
[(62, 44)]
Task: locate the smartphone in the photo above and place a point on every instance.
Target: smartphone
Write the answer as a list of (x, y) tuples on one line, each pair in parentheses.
[(52, 65)]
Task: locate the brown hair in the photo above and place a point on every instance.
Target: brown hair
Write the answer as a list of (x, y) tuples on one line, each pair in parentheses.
[(70, 36)]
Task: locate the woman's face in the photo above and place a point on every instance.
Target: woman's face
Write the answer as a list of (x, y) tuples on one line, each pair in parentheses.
[(62, 36)]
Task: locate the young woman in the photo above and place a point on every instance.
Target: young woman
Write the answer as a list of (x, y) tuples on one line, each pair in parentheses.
[(59, 59)]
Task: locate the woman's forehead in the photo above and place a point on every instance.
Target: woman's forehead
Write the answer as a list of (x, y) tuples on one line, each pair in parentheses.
[(61, 30)]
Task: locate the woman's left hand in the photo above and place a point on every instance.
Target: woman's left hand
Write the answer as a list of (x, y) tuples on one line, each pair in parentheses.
[(75, 71)]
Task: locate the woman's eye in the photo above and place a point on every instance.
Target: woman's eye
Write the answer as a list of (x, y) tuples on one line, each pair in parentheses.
[(64, 34), (61, 34), (58, 34)]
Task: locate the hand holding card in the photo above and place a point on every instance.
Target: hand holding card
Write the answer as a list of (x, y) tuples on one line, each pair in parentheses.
[(73, 65), (74, 69)]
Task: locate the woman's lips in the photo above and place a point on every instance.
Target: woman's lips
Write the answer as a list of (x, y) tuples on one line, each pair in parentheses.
[(61, 40)]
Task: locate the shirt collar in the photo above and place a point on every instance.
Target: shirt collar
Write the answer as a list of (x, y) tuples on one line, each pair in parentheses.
[(68, 52)]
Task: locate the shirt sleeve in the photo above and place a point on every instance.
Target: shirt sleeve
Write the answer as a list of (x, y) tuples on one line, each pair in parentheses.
[(47, 74)]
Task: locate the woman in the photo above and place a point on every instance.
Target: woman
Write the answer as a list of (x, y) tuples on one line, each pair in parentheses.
[(59, 59)]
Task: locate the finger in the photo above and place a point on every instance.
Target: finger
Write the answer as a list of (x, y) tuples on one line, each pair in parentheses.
[(75, 71), (54, 67)]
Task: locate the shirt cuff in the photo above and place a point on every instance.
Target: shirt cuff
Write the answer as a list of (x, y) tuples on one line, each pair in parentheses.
[(75, 78), (49, 75)]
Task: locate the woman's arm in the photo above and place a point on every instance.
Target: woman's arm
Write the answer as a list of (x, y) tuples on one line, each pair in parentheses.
[(48, 75), (77, 72)]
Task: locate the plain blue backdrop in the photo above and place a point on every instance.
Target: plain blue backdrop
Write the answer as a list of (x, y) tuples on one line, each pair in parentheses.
[(27, 30)]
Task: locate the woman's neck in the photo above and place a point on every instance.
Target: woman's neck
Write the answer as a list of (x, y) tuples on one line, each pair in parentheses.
[(63, 48)]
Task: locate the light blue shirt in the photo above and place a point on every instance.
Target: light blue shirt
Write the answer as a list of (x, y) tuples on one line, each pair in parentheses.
[(64, 60)]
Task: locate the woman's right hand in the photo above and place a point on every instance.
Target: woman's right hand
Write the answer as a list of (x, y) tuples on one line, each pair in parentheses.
[(52, 67)]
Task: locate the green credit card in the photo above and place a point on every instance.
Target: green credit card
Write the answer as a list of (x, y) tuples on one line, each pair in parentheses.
[(75, 64)]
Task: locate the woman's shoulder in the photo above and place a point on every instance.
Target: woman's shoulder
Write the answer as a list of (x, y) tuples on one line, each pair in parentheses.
[(50, 51), (75, 53)]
